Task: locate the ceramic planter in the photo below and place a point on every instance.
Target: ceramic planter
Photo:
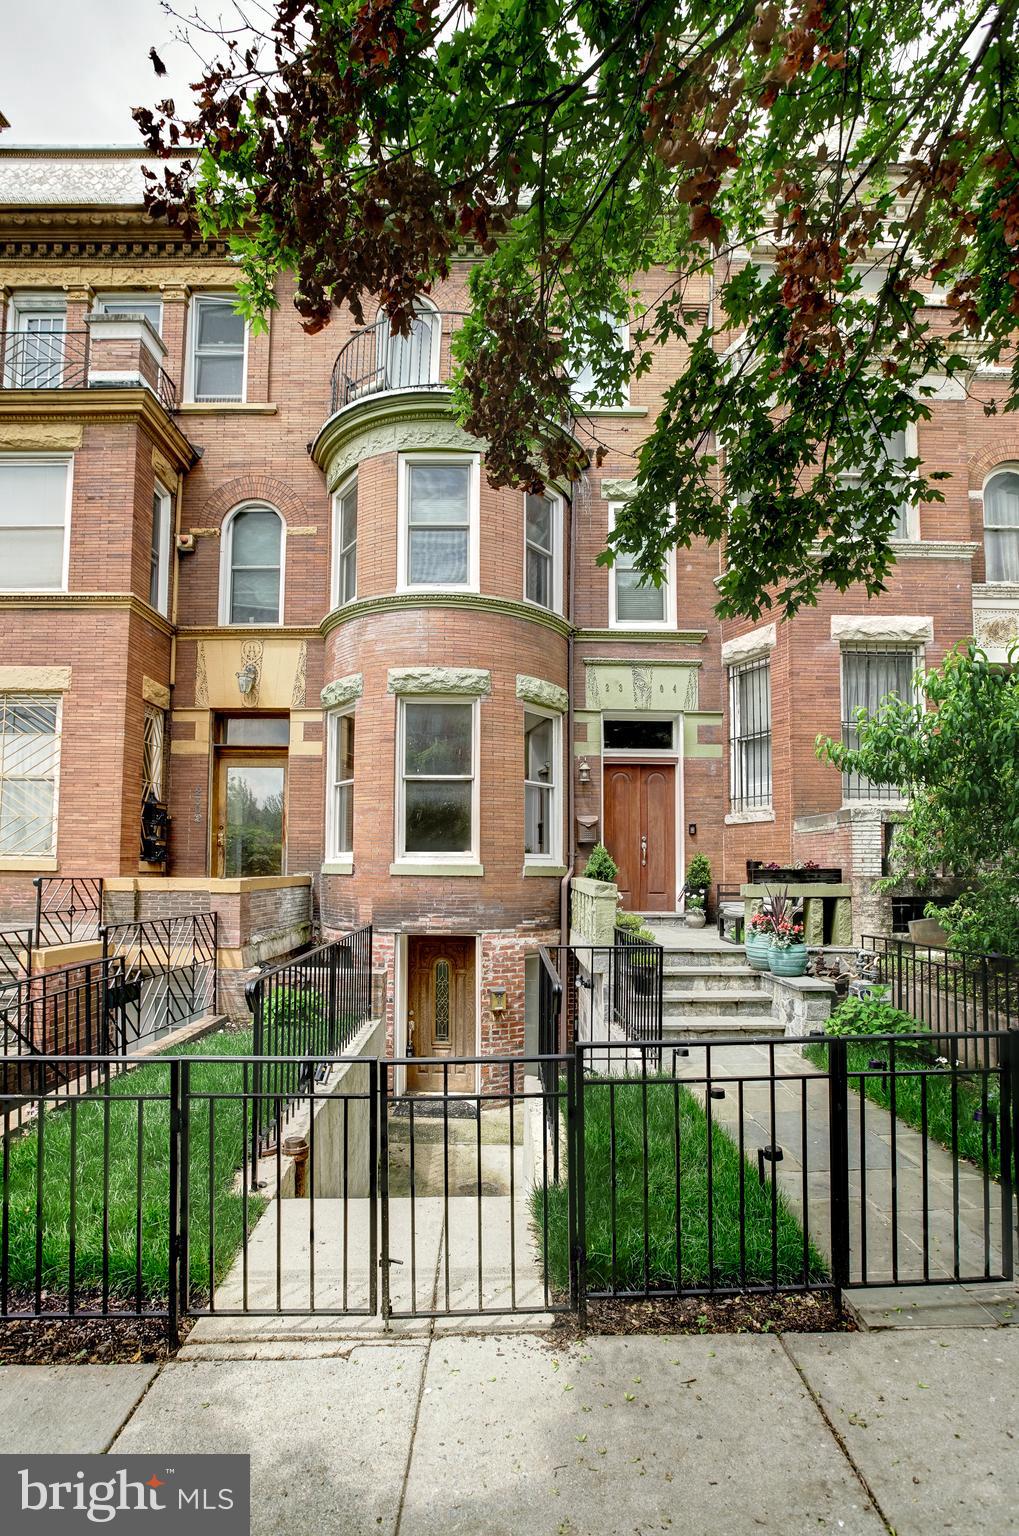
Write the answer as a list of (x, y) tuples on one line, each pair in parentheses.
[(791, 961), (757, 947), (695, 917)]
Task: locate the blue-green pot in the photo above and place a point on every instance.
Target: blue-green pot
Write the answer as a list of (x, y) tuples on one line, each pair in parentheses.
[(757, 947), (787, 962)]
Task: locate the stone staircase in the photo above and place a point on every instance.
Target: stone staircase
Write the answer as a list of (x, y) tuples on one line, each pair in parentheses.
[(709, 990)]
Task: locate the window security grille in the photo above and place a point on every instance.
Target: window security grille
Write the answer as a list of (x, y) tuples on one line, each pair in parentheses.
[(29, 768), (869, 675), (750, 736), (154, 754)]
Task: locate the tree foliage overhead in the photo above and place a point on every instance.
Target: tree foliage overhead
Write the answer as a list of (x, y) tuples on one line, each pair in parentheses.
[(862, 151)]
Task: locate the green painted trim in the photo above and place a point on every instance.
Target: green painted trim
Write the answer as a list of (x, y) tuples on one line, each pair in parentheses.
[(469, 602), (691, 746), (340, 866), (638, 661), (647, 637), (703, 749), (548, 871), (438, 870)]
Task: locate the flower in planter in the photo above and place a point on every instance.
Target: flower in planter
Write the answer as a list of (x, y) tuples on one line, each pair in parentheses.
[(695, 901), (762, 922), (786, 933)]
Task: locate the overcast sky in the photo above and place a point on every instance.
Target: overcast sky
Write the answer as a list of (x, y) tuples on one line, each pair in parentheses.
[(71, 70)]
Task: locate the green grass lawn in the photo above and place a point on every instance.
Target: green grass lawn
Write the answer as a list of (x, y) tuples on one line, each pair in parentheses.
[(922, 1088), (138, 1190), (774, 1248)]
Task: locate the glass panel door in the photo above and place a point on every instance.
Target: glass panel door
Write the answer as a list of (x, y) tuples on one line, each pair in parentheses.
[(252, 817)]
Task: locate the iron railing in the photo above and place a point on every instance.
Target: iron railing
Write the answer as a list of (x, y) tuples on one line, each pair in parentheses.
[(374, 361), (303, 1012), (60, 1014), (15, 954), (170, 966), (964, 999), (871, 674), (62, 360), (68, 910), (750, 735), (636, 970)]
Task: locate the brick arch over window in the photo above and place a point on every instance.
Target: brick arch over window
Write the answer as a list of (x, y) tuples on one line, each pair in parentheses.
[(1004, 450), (255, 488)]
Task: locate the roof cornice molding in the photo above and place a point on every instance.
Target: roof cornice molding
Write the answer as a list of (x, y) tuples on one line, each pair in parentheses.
[(135, 405)]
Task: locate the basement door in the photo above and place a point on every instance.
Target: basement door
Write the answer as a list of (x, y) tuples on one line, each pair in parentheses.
[(440, 1014), (640, 833)]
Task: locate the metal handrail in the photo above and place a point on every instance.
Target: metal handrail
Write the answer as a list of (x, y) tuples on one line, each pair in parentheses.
[(374, 361), (63, 360)]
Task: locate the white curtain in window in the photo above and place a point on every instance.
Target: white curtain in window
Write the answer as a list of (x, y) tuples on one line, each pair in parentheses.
[(1001, 526)]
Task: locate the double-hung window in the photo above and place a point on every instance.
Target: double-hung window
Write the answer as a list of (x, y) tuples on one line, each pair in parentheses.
[(252, 579), (635, 602), (218, 350), (895, 447), (438, 524), (138, 306), (1001, 526), (750, 735), (542, 544), (34, 514), (611, 334), (345, 544), (159, 552), (437, 778), (871, 674), (340, 810), (29, 771), (541, 787)]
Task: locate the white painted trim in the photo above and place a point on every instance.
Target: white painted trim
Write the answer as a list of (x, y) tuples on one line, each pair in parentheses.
[(464, 856), (424, 457), (643, 754), (343, 489), (226, 562), (554, 858), (67, 459), (558, 524), (189, 360), (759, 642), (895, 628), (668, 619), (333, 855), (165, 546)]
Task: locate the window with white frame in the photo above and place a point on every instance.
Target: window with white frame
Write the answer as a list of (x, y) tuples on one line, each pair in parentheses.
[(140, 306), (411, 361), (439, 521), (896, 452), (437, 777), (542, 545), (35, 495), (345, 543), (340, 811), (635, 602), (541, 786), (35, 342), (29, 771), (1001, 526), (218, 345), (159, 551), (871, 674), (612, 333), (154, 754), (252, 579), (750, 735)]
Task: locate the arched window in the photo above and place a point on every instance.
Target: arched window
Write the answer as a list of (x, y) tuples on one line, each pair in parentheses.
[(1001, 526), (252, 574), (412, 361)]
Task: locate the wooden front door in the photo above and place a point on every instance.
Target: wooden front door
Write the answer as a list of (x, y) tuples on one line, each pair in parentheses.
[(440, 1013), (640, 833), (250, 816)]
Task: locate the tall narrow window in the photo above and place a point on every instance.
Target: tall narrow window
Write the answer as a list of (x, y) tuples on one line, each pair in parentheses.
[(33, 522), (634, 601), (439, 501), (541, 783), (438, 777), (1001, 526), (412, 361), (253, 567), (541, 550), (871, 674), (29, 769), (750, 736), (345, 544), (341, 784), (159, 553), (896, 452), (217, 350), (154, 754), (612, 335)]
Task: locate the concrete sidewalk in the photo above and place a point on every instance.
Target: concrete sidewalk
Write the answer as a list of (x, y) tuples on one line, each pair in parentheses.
[(911, 1432)]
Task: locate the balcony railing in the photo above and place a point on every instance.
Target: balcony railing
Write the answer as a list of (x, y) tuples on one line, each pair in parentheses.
[(69, 360), (374, 361)]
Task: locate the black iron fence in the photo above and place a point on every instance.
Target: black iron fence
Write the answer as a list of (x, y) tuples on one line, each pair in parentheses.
[(67, 910), (303, 1012), (963, 999), (636, 970), (48, 1020), (15, 954), (169, 969)]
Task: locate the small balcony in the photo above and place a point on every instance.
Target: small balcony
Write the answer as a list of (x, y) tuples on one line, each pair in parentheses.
[(99, 357), (375, 362)]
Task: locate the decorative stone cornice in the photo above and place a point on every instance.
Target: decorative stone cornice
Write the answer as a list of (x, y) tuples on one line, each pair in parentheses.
[(343, 690), (535, 690), (241, 632), (904, 629), (644, 637), (397, 602), (471, 681), (759, 642), (618, 490), (932, 549), (82, 601), (135, 405)]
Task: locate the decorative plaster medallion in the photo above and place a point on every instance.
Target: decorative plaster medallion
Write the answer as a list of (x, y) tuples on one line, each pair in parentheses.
[(343, 690), (535, 690), (465, 680)]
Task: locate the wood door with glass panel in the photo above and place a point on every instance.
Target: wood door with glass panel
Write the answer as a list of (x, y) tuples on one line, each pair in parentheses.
[(440, 1013), (251, 796)]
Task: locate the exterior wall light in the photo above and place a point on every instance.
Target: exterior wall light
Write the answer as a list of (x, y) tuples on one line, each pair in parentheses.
[(584, 771), (247, 677), (497, 999)]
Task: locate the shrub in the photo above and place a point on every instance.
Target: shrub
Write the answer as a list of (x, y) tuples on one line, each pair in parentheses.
[(872, 1015), (984, 921), (698, 875), (633, 923), (600, 864)]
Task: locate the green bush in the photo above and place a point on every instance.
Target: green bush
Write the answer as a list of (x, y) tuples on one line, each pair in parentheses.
[(698, 875), (600, 864), (633, 923), (872, 1015), (984, 921)]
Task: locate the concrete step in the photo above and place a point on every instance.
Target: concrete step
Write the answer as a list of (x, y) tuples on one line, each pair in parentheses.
[(709, 978), (728, 1026), (726, 955), (716, 1003)]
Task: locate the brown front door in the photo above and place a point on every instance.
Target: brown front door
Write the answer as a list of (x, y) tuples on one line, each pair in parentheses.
[(440, 1013), (640, 833)]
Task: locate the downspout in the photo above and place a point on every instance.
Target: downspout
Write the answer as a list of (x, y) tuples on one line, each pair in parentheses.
[(571, 841)]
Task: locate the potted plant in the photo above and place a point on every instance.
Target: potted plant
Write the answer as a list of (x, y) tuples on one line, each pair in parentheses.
[(640, 948), (787, 954), (758, 941), (698, 875), (695, 914)]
